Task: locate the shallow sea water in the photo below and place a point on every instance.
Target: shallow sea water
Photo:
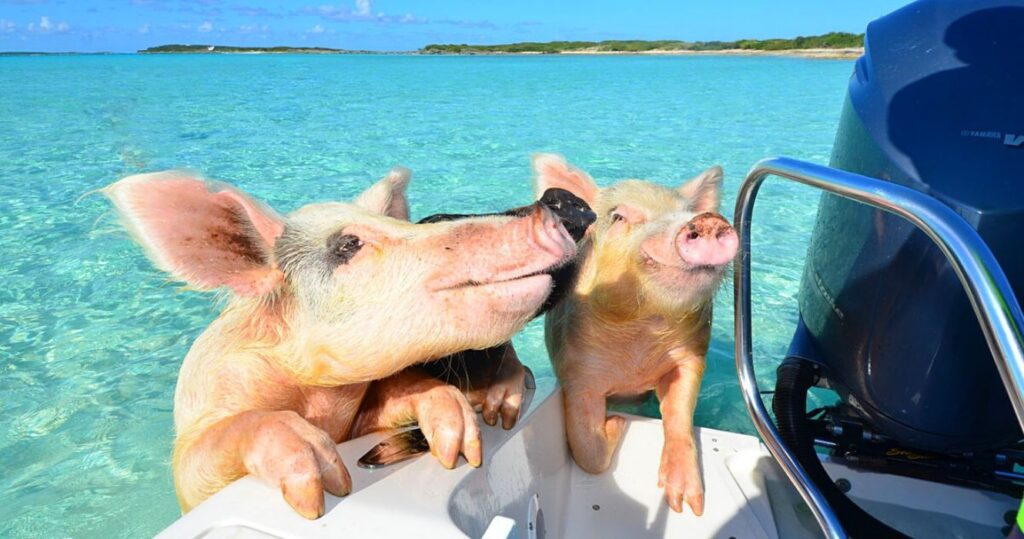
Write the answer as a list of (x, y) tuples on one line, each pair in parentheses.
[(91, 337)]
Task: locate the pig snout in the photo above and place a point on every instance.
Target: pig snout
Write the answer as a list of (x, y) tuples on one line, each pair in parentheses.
[(549, 234), (533, 243), (707, 240), (574, 213)]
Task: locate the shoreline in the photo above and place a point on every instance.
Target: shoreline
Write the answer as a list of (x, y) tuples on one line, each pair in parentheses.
[(823, 54)]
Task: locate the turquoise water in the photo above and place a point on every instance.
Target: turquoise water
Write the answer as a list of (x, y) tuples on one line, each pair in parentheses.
[(91, 336)]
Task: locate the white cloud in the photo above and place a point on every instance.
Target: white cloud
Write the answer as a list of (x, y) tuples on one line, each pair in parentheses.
[(326, 11), (316, 29), (362, 11), (144, 29), (6, 26), (205, 27), (253, 29), (44, 25)]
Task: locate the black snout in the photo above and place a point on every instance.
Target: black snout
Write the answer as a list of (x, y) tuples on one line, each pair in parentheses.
[(574, 213)]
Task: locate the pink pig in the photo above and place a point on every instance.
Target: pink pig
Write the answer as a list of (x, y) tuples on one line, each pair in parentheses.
[(321, 303), (638, 316)]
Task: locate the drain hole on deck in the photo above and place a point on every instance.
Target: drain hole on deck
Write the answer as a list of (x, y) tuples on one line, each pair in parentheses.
[(596, 507)]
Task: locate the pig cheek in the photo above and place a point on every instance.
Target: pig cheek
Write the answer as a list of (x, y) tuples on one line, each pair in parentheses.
[(458, 314), (622, 256), (359, 296), (390, 295), (376, 337), (616, 282), (675, 288)]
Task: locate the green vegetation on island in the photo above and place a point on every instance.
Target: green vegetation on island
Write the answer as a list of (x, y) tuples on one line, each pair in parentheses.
[(215, 49), (832, 40)]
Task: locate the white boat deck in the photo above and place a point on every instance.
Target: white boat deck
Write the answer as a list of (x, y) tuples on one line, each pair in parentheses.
[(529, 487)]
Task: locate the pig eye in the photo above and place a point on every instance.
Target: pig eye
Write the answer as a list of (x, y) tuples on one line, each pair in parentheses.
[(342, 247), (616, 217)]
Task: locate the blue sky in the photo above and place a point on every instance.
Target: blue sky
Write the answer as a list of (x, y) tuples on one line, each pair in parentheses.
[(128, 25)]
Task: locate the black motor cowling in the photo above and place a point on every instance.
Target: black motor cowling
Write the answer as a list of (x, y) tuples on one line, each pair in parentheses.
[(936, 104)]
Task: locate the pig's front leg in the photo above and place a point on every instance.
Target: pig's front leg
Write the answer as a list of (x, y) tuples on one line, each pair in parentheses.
[(279, 447), (679, 473), (593, 436), (441, 410)]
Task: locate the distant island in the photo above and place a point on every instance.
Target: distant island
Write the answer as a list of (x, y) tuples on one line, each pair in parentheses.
[(830, 45), (225, 49), (42, 53)]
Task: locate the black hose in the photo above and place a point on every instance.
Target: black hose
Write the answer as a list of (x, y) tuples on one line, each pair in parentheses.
[(795, 377)]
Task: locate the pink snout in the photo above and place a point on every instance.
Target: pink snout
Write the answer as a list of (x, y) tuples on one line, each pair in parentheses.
[(549, 235), (707, 240)]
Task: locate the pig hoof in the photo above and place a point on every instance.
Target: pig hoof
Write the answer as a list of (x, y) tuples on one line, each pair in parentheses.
[(613, 428), (505, 396), (286, 450), (679, 475), (449, 424), (677, 496)]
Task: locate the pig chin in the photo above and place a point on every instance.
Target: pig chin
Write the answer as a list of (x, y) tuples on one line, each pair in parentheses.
[(682, 282), (514, 298)]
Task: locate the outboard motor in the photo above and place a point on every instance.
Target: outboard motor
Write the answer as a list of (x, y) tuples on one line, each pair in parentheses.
[(935, 104)]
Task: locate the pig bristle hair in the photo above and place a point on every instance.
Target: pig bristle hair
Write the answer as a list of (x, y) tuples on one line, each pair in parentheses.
[(449, 368), (451, 372), (114, 228), (258, 321), (83, 196), (458, 378)]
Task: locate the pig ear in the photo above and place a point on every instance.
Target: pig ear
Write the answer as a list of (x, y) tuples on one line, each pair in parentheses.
[(387, 196), (704, 190), (552, 171), (206, 235)]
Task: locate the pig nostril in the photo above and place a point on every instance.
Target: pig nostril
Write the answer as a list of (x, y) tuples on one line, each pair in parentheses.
[(693, 235)]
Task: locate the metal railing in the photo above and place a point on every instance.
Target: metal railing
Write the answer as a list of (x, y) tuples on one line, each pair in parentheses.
[(987, 288)]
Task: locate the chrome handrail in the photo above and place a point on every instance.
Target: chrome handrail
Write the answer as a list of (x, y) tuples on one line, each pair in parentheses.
[(983, 279)]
